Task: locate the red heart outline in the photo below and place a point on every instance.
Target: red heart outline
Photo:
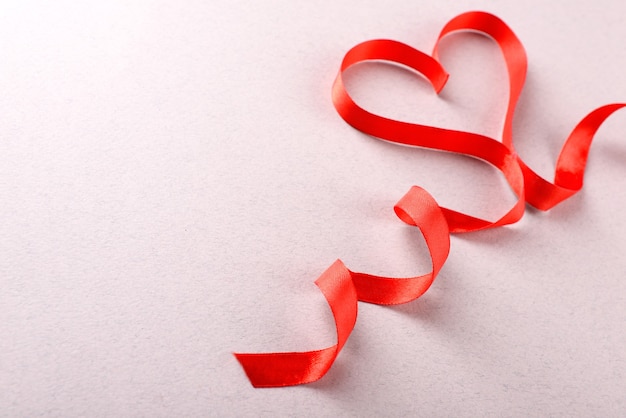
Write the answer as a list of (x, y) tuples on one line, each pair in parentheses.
[(527, 185)]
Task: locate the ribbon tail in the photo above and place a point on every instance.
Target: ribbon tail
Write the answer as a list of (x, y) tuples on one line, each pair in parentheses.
[(571, 164), (295, 368)]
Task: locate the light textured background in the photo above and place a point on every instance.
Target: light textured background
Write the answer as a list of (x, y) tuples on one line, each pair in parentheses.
[(173, 178)]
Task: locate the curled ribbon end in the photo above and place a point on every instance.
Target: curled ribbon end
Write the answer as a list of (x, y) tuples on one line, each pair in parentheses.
[(266, 370), (270, 370), (241, 358)]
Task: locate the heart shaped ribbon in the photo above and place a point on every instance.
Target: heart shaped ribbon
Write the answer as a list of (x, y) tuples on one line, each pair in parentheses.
[(341, 287)]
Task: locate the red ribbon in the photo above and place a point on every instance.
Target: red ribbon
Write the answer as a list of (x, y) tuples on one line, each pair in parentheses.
[(342, 287)]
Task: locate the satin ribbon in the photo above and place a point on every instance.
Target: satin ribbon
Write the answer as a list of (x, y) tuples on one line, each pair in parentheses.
[(341, 287)]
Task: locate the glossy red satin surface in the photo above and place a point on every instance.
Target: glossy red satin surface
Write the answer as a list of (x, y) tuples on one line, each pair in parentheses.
[(342, 287)]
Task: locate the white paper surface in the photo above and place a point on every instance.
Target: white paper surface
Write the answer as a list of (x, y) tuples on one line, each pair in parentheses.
[(174, 177)]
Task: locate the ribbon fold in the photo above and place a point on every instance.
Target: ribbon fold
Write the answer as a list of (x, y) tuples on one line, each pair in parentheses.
[(341, 287)]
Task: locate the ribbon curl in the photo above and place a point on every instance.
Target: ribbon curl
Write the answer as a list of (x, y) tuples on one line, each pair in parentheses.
[(341, 287)]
